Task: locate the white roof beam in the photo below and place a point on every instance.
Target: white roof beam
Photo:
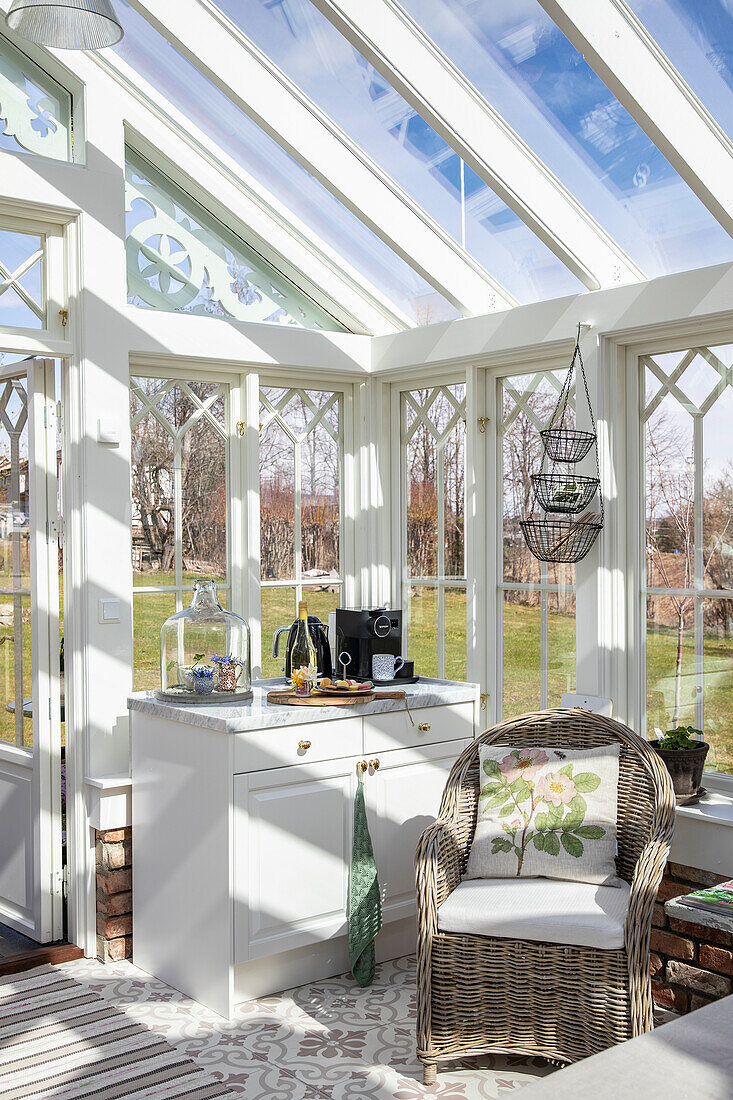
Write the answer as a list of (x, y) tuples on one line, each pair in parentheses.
[(193, 160), (641, 76), (399, 49), (235, 65)]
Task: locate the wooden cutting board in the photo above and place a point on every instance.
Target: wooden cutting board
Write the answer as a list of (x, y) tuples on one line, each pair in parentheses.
[(287, 697)]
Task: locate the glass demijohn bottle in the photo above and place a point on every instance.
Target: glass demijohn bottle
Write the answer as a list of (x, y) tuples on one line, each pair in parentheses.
[(198, 634)]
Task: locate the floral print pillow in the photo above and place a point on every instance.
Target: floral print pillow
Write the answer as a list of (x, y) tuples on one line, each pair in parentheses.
[(546, 812)]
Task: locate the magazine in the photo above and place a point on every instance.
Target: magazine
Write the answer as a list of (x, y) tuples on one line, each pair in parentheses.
[(714, 899)]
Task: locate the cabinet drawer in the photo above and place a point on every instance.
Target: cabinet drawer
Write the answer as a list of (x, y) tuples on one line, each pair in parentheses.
[(283, 746), (432, 724)]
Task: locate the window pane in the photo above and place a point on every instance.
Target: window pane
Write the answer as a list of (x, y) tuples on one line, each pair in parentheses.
[(422, 504), (561, 666), (718, 684), (541, 85), (696, 36), (22, 299), (403, 144), (303, 196), (153, 510), (319, 502), (321, 599), (670, 663), (717, 509), (454, 494), (149, 612), (204, 511), (455, 633), (35, 111), (422, 635), (522, 654), (278, 609), (670, 497)]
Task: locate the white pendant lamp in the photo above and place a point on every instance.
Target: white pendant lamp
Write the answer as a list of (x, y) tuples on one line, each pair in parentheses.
[(66, 24)]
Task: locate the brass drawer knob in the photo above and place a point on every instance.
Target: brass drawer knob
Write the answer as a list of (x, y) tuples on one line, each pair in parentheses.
[(304, 745), (374, 765), (362, 766), (424, 727)]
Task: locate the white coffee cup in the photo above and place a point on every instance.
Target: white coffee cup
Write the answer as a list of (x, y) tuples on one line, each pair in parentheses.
[(384, 666)]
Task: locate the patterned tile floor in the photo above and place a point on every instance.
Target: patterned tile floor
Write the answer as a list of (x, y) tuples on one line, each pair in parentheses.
[(328, 1039)]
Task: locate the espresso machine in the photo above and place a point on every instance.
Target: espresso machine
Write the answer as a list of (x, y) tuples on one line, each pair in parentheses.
[(362, 633)]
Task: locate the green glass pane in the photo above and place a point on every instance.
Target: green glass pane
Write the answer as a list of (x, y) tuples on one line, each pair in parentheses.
[(278, 609), (560, 646), (149, 612), (422, 630), (670, 663), (455, 634), (521, 634), (718, 683)]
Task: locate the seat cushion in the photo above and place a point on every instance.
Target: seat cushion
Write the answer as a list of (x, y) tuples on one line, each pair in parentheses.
[(547, 910)]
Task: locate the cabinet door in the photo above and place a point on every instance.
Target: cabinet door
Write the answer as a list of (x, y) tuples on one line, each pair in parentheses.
[(292, 849), (403, 798)]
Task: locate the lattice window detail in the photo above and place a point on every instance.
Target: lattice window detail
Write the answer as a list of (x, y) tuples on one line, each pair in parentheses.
[(35, 111), (687, 403), (180, 503), (433, 431), (181, 259), (301, 476), (22, 297)]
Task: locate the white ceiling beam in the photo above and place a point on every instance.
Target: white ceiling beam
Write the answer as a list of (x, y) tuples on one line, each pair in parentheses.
[(199, 166), (235, 65), (401, 51), (641, 76)]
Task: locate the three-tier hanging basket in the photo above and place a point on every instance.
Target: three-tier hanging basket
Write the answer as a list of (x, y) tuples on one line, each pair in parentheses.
[(568, 530)]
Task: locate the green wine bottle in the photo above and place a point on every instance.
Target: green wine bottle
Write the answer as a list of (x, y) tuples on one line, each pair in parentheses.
[(303, 651)]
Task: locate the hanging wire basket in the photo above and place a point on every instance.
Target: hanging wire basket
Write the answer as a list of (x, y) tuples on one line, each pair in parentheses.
[(567, 444), (558, 540), (568, 493)]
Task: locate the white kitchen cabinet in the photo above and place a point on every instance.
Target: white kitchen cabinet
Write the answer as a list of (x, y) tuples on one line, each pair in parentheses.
[(292, 847), (242, 824)]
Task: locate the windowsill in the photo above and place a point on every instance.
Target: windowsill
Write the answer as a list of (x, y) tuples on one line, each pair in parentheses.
[(716, 807)]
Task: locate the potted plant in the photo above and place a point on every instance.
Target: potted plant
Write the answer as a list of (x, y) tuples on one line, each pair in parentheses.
[(684, 756)]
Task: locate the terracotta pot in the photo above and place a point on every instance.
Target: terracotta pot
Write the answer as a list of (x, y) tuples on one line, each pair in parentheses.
[(685, 766)]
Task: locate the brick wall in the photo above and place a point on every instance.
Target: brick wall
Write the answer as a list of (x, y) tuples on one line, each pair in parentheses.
[(691, 965), (114, 894)]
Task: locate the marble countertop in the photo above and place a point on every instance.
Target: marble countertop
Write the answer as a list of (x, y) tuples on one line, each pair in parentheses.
[(257, 713)]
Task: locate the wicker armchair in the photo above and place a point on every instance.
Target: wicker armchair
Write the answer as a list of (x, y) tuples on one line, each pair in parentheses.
[(480, 994)]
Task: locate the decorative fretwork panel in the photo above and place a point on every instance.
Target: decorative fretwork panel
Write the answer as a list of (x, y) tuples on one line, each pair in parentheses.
[(687, 409), (22, 298), (181, 259), (301, 459), (536, 639), (35, 111), (433, 440)]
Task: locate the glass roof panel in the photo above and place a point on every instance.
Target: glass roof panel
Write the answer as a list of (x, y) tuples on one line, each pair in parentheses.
[(149, 54), (697, 37), (317, 57), (541, 85)]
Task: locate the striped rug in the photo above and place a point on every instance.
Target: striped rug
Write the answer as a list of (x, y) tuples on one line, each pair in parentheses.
[(60, 1040)]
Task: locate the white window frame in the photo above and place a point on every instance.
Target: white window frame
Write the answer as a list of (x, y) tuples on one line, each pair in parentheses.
[(347, 490), (401, 581), (629, 422), (494, 380), (174, 372)]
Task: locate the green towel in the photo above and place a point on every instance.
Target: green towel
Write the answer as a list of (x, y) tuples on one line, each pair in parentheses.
[(365, 905)]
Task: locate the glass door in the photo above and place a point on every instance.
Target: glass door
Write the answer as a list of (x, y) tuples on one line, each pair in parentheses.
[(31, 891)]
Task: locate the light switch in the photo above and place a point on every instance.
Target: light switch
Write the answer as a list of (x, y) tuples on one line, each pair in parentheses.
[(109, 611), (107, 433)]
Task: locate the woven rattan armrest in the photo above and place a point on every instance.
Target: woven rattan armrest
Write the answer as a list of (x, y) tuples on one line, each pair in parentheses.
[(439, 859)]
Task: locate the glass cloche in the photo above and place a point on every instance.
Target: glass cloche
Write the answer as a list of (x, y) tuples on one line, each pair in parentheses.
[(205, 651)]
